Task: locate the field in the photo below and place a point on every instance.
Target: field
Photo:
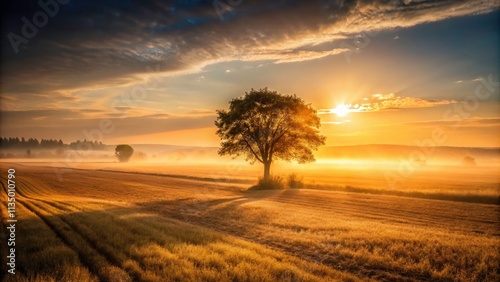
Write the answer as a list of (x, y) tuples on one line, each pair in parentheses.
[(111, 225)]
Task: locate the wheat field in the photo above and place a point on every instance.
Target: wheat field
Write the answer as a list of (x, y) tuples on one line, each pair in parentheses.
[(120, 226)]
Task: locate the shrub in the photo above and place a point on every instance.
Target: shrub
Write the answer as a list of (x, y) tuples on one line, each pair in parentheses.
[(272, 183), (469, 161), (140, 156), (295, 181)]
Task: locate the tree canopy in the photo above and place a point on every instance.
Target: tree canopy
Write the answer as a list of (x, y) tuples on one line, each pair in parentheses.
[(123, 152), (264, 126)]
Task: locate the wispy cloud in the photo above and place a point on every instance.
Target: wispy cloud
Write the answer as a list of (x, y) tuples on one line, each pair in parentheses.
[(19, 123), (475, 122), (470, 80), (289, 56), (336, 122), (380, 102)]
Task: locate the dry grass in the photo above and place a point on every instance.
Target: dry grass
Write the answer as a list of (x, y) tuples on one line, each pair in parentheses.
[(112, 241), (108, 226), (455, 183), (40, 254)]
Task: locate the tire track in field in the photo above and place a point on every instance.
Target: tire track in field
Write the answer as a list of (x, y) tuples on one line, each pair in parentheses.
[(89, 257), (71, 208), (111, 259), (3, 248), (144, 227), (114, 259), (117, 259), (21, 202)]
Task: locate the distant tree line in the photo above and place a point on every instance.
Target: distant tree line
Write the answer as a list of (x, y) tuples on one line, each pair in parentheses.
[(33, 143), (86, 145)]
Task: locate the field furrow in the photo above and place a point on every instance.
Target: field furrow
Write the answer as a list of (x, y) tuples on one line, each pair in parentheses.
[(90, 256), (43, 254)]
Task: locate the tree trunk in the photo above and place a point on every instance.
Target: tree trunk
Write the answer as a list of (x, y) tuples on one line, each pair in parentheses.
[(267, 169)]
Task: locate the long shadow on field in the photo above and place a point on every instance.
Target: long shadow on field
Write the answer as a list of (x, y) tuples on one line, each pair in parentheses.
[(222, 214)]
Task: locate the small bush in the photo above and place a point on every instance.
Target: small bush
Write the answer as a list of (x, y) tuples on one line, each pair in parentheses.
[(295, 181), (140, 156), (272, 183), (469, 161)]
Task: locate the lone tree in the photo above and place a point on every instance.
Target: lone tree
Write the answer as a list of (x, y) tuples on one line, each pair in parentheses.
[(265, 126), (123, 153)]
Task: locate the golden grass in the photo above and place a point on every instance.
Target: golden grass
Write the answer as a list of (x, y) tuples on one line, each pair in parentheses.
[(456, 183), (40, 253), (128, 227), (117, 243)]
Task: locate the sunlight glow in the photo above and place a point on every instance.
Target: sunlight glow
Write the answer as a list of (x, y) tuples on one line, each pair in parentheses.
[(341, 110)]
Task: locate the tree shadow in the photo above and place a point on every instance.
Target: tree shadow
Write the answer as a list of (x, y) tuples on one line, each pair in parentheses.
[(231, 215)]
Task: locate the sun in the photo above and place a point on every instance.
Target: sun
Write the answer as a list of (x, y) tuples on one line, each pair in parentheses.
[(341, 110)]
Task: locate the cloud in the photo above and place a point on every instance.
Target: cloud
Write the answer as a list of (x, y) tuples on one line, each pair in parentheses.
[(289, 56), (336, 122), (117, 40), (19, 123), (478, 79), (473, 122), (380, 102)]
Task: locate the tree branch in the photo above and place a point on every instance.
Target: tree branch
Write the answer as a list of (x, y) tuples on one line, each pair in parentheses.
[(251, 150)]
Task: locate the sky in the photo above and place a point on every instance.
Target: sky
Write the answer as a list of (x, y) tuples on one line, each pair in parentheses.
[(154, 72)]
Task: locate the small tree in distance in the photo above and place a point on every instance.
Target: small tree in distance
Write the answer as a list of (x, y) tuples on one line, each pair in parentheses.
[(265, 126), (123, 153)]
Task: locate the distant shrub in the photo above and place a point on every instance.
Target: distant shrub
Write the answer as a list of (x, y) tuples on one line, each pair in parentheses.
[(295, 181), (272, 183), (140, 156), (469, 161)]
